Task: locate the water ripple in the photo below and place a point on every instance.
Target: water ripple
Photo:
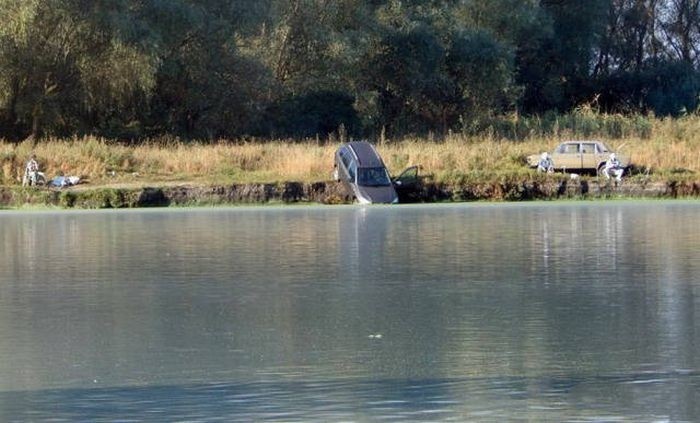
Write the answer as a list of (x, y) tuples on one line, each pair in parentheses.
[(350, 400)]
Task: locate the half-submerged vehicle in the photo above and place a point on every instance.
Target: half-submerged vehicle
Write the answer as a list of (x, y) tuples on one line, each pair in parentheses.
[(360, 168)]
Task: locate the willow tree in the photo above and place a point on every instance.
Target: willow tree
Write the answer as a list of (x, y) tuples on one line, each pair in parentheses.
[(66, 64)]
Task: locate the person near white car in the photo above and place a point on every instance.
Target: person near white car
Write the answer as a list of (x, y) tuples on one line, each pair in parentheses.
[(613, 168), (545, 164)]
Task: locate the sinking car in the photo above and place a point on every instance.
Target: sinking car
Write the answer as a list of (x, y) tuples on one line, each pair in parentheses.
[(361, 170), (580, 157)]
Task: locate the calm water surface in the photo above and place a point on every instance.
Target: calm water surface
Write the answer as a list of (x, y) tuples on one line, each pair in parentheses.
[(542, 312)]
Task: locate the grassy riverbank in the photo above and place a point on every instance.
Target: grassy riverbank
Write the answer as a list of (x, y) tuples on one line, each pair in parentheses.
[(667, 149)]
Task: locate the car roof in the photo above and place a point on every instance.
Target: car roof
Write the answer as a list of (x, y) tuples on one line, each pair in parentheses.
[(365, 153), (602, 143)]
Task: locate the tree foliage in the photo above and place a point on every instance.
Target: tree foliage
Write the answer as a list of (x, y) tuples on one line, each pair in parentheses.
[(230, 68)]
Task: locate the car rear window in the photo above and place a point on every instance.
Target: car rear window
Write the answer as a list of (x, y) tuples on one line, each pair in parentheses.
[(568, 149)]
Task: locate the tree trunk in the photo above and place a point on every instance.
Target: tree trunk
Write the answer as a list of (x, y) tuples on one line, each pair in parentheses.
[(36, 121)]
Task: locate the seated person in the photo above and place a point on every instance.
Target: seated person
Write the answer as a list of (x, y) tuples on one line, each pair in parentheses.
[(613, 168), (545, 164)]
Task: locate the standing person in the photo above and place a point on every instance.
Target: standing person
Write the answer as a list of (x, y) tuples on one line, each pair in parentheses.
[(613, 168), (31, 171)]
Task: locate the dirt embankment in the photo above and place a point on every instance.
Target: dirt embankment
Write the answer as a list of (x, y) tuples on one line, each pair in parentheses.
[(334, 193)]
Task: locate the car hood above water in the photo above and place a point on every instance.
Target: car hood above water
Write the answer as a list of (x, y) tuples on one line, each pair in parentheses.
[(371, 195)]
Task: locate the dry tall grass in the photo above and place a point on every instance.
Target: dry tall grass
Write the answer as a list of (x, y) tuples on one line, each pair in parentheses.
[(671, 148)]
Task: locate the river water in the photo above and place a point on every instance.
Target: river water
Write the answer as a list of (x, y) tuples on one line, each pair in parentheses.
[(478, 312)]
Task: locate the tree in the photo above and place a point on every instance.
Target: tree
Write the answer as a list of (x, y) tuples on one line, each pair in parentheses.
[(554, 61), (404, 69), (65, 61), (204, 87), (482, 70), (229, 68), (679, 28), (629, 39)]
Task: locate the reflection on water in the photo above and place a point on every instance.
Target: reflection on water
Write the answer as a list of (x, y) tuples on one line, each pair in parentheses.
[(638, 398), (534, 311)]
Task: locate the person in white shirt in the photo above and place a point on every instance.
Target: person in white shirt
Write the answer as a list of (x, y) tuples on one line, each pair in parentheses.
[(31, 172), (613, 168), (545, 164)]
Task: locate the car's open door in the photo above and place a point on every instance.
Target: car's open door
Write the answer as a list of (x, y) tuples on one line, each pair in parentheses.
[(406, 185)]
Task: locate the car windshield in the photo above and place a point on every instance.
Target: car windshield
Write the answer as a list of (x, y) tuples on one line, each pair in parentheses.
[(372, 177), (603, 147)]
